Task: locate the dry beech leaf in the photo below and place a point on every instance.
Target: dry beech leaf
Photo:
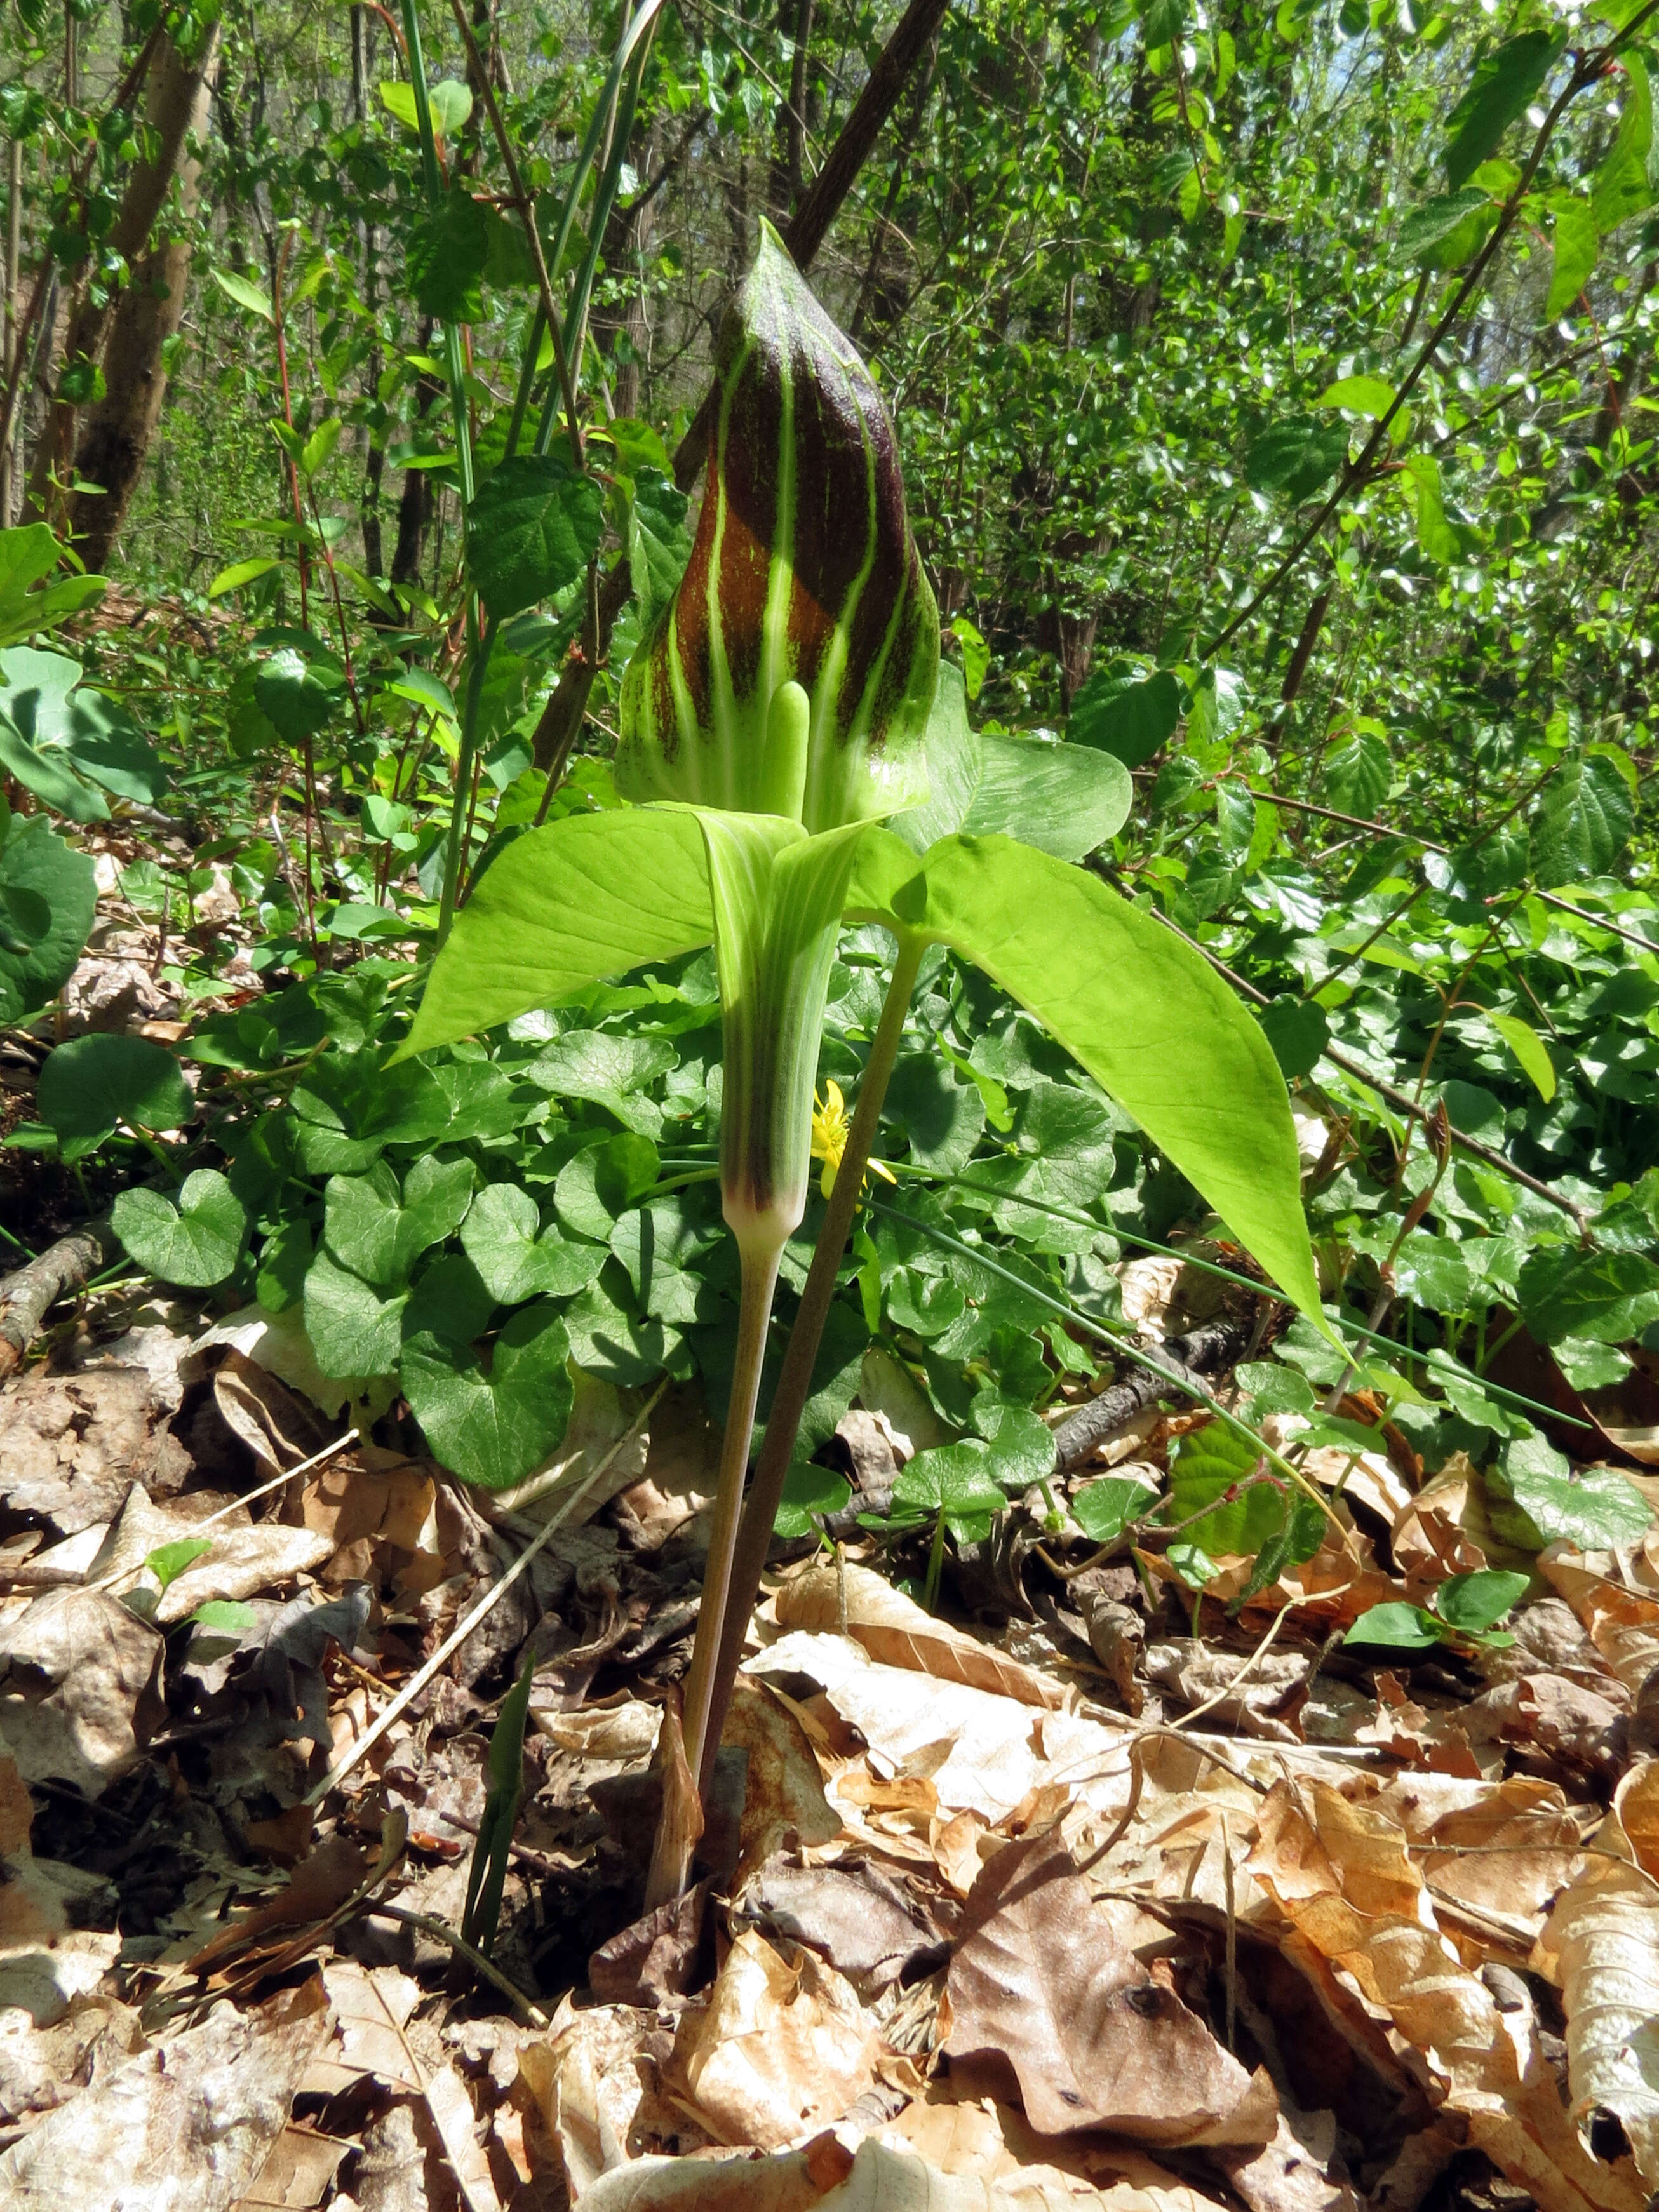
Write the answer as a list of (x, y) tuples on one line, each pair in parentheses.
[(854, 1916), (453, 2117), (586, 2087), (1042, 1979), (372, 2006), (893, 1629), (1622, 1624), (1343, 1878), (298, 2173), (98, 1661), (979, 1751), (187, 2123), (783, 1799), (784, 2047), (1604, 1933), (878, 2176)]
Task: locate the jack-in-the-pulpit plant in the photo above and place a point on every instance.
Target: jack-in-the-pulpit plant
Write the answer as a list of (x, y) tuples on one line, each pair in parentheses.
[(789, 697)]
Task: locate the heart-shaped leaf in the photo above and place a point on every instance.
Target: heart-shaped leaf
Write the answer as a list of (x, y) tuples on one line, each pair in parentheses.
[(516, 1257), (493, 1425), (195, 1242), (93, 1084)]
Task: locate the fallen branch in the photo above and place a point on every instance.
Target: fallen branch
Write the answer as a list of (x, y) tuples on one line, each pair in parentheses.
[(28, 1295), (1201, 1351)]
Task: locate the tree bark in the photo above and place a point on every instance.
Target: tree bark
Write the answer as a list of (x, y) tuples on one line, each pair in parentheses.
[(127, 332)]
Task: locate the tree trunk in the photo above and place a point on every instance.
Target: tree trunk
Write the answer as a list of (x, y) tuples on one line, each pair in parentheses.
[(133, 326), (117, 437)]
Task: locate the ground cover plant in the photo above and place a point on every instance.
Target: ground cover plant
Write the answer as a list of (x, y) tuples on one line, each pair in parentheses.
[(828, 965)]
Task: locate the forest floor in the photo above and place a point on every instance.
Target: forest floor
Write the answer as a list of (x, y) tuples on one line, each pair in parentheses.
[(1089, 1890)]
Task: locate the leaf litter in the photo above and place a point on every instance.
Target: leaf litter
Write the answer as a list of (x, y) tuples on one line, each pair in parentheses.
[(1120, 1892)]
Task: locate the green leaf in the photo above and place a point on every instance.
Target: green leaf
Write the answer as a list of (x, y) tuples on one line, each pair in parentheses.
[(809, 1493), (975, 655), (594, 1064), (659, 543), (379, 1233), (1537, 1499), (28, 556), (1296, 1031), (59, 735), (445, 255), (1623, 186), (493, 1426), (516, 1257), (1399, 1627), (1582, 823), (1360, 395), (1430, 226), (943, 1118), (319, 446), (1358, 773), (1141, 1012), (661, 1249), (196, 1242), (224, 1616), (1204, 1465), (242, 572), (449, 104), (297, 697), (1021, 1443), (93, 1084), (355, 1333), (955, 1479), (1435, 534), (168, 1561), (48, 898), (1162, 22), (284, 1258), (1125, 715), (1477, 1602), (803, 570), (1577, 246), (1103, 1510), (486, 1880), (1298, 456), (611, 1339), (573, 903), (1501, 90), (1529, 1049), (1064, 800), (601, 1184), (245, 292), (531, 530)]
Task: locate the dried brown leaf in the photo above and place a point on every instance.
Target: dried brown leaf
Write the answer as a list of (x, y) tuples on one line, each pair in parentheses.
[(1043, 1979), (77, 1671), (895, 1630), (784, 2046), (1604, 1936), (1347, 1883), (187, 2123)]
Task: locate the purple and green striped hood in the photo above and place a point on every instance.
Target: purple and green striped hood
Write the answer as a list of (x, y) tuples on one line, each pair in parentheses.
[(803, 569)]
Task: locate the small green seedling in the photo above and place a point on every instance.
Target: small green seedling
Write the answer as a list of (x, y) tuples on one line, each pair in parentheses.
[(1464, 1610)]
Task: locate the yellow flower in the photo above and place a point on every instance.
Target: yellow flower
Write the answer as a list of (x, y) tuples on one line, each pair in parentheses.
[(831, 1126)]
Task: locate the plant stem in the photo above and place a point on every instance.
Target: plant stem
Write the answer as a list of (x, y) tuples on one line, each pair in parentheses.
[(482, 648), (760, 1275), (795, 1382)]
